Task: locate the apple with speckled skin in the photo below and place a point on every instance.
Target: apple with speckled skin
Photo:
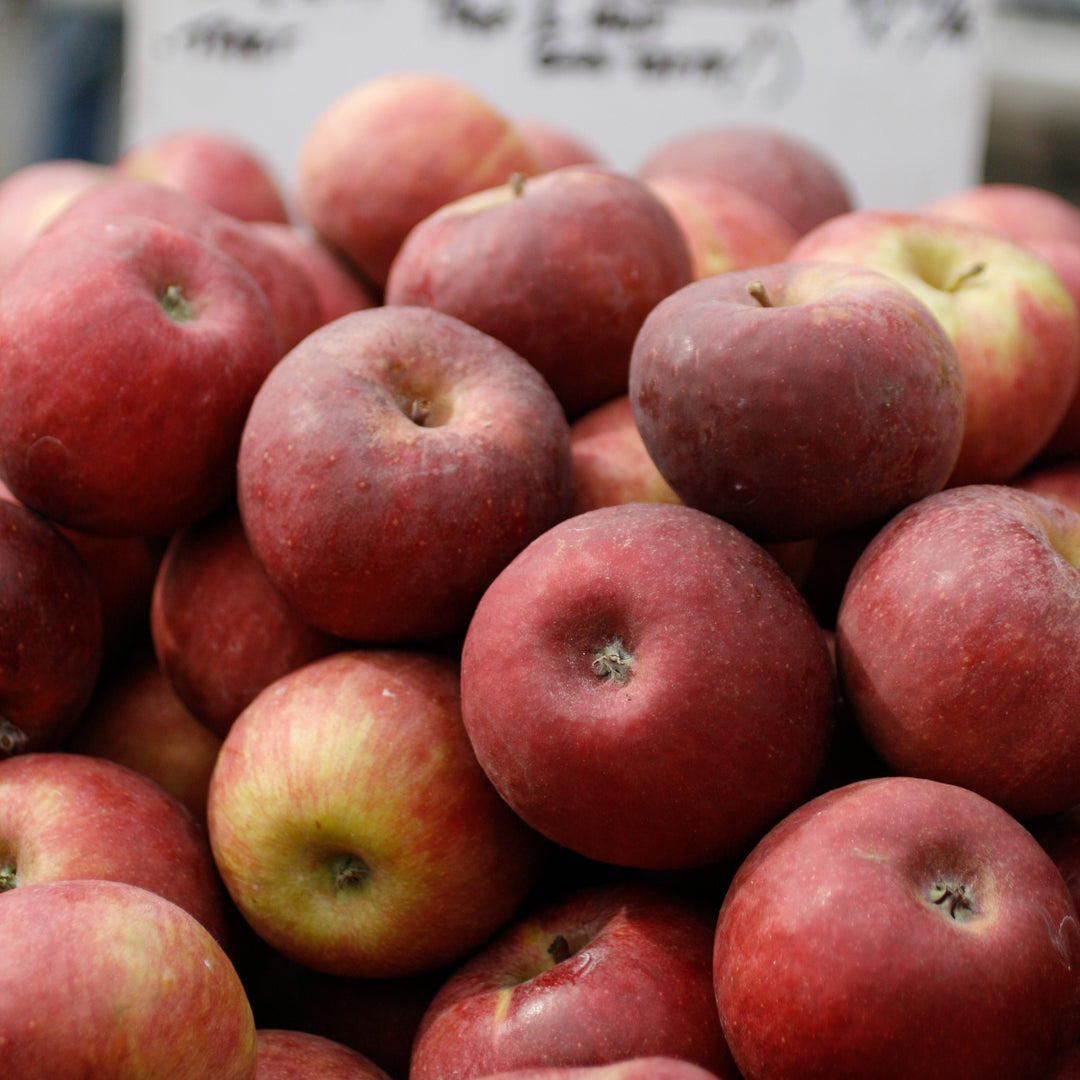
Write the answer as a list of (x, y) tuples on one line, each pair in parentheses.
[(1023, 212), (601, 974), (352, 825), (300, 1055), (855, 917)]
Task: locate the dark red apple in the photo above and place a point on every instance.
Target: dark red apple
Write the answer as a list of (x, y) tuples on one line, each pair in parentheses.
[(299, 1055)]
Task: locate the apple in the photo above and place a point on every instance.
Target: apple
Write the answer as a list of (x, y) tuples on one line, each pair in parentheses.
[(32, 195), (220, 630), (562, 267), (603, 974), (1013, 323), (131, 352), (725, 227), (656, 1067), (102, 980), (65, 815), (50, 633), (861, 913), (351, 823), (554, 145), (391, 465), (135, 718), (955, 641), (1022, 212), (798, 399), (299, 1055), (645, 686), (793, 176), (394, 148), (214, 166)]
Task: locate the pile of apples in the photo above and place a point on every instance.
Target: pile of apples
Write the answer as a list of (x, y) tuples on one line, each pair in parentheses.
[(481, 612)]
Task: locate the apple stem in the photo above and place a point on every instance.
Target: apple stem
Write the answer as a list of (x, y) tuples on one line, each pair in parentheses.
[(612, 662), (972, 271), (13, 740), (757, 290), (420, 410), (559, 949), (350, 871), (175, 305), (517, 183)]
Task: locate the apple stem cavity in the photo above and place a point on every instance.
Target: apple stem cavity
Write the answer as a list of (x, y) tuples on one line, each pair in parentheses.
[(517, 184), (962, 279), (349, 870), (175, 304), (419, 411), (954, 899), (758, 291), (8, 876), (613, 662), (559, 949), (13, 740)]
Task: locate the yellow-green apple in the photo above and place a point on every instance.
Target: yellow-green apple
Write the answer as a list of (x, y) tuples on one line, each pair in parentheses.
[(554, 145), (65, 815), (212, 165), (391, 150), (1006, 310), (102, 980), (135, 718), (352, 825), (1023, 212), (289, 291), (656, 1067), (725, 227), (954, 638), (798, 399), (32, 195), (300, 1055), (793, 176), (605, 973), (220, 630), (50, 633), (562, 267), (130, 352), (645, 686), (391, 465), (859, 914)]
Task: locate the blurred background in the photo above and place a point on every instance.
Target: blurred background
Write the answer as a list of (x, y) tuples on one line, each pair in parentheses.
[(61, 79)]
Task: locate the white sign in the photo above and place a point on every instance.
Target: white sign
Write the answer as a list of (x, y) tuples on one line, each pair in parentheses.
[(894, 91)]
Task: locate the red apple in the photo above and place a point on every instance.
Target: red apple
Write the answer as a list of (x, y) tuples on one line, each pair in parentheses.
[(391, 150), (50, 632), (352, 825), (606, 973), (1007, 312), (635, 1068), (220, 630), (101, 980), (554, 145), (644, 685), (794, 177), (131, 352), (390, 467), (66, 815), (214, 166), (562, 267), (853, 920), (299, 1055), (955, 643), (1022, 212), (135, 718), (799, 399)]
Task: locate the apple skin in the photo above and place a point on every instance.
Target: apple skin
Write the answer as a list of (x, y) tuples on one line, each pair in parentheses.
[(131, 985), (1006, 310), (299, 1055), (50, 633), (853, 920), (216, 167), (178, 325), (562, 267), (963, 606), (220, 630), (792, 176), (725, 228), (828, 400), (136, 719), (352, 825), (380, 528), (1022, 212), (393, 149), (553, 145), (657, 1067), (633, 645), (605, 973), (65, 815)]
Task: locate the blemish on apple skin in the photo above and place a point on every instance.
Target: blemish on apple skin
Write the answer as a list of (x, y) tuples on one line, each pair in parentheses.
[(1061, 936), (387, 692)]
